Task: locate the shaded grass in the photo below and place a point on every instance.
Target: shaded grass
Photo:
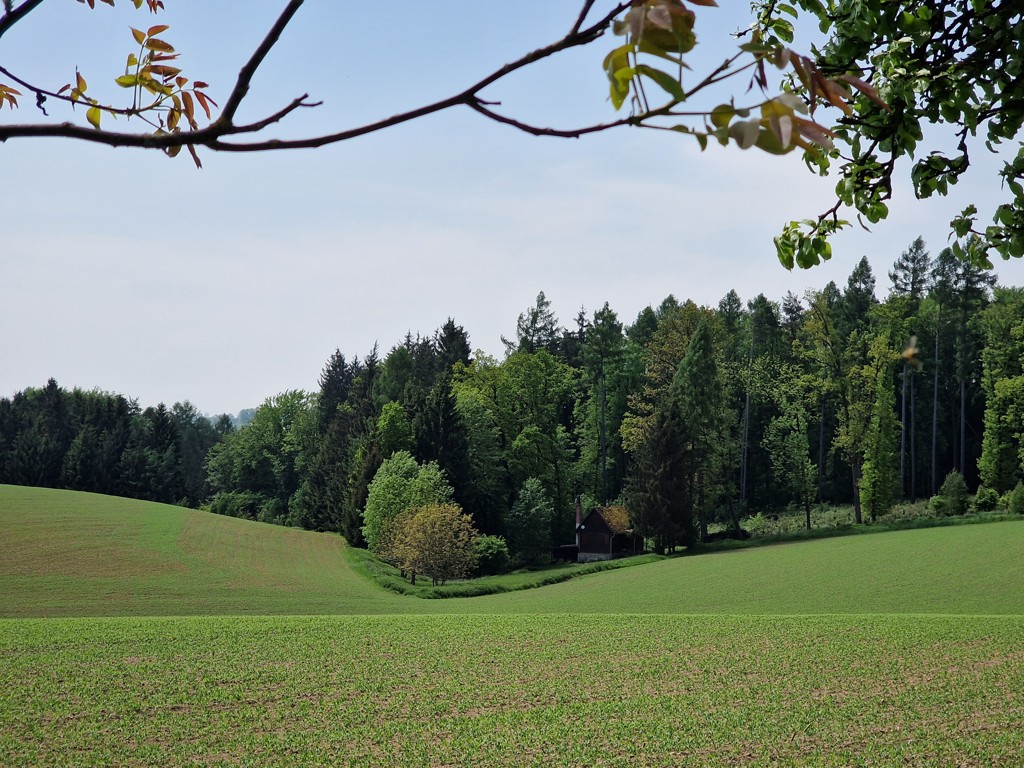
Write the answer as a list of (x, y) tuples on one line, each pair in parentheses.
[(518, 690), (389, 577)]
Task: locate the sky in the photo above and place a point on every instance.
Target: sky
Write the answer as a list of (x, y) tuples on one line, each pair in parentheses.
[(130, 272)]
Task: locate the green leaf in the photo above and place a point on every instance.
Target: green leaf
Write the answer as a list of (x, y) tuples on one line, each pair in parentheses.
[(93, 116), (721, 115), (127, 81), (667, 83)]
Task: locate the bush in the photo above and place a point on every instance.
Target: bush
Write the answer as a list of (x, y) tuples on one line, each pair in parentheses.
[(986, 499), (953, 497), (492, 555), (1016, 502), (238, 504)]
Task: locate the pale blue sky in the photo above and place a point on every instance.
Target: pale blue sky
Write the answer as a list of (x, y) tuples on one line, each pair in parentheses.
[(133, 273)]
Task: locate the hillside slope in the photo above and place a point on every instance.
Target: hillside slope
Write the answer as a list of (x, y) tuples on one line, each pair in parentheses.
[(73, 554), (64, 553)]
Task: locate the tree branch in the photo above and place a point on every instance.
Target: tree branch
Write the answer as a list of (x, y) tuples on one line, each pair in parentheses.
[(573, 133), (14, 15), (213, 136), (245, 75)]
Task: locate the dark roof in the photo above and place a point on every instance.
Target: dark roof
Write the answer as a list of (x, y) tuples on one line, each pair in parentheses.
[(616, 518)]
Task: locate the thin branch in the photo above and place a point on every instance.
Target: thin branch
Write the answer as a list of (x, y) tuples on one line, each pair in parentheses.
[(45, 94), (277, 116), (13, 16), (248, 71), (583, 16), (534, 130)]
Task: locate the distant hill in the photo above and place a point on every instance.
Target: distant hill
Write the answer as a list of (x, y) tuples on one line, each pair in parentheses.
[(64, 553)]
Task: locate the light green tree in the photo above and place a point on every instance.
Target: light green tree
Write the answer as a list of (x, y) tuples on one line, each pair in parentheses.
[(879, 487), (400, 485)]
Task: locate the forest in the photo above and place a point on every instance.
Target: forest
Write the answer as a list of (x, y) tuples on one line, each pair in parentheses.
[(690, 416)]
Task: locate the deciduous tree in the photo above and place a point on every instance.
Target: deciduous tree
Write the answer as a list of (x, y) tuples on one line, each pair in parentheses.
[(437, 540)]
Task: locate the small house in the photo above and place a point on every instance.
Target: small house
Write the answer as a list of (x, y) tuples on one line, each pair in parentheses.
[(605, 533)]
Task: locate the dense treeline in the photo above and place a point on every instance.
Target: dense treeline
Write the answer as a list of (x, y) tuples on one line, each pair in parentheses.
[(691, 416), (105, 443)]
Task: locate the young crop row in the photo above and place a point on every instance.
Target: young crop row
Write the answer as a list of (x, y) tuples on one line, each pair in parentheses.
[(513, 690)]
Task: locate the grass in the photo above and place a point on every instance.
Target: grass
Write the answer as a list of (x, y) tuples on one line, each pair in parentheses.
[(390, 578), (76, 554), (883, 649), (513, 690), (59, 557)]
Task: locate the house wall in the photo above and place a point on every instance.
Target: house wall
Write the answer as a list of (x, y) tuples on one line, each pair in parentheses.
[(590, 557)]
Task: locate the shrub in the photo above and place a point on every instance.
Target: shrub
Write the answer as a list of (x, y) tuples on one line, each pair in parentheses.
[(953, 496), (238, 504), (939, 506), (986, 499), (492, 555), (1016, 502)]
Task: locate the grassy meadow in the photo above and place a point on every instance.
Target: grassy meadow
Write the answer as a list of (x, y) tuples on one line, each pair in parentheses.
[(141, 634)]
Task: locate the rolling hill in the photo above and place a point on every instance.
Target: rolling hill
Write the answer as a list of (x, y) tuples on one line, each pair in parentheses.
[(64, 553)]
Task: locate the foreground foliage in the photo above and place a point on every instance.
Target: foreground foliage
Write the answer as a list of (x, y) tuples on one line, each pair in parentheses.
[(518, 690)]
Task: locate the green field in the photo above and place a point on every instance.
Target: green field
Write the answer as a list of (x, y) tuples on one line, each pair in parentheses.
[(886, 649)]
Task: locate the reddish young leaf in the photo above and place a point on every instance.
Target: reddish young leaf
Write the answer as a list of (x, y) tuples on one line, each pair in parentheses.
[(190, 109), (195, 157), (157, 29), (867, 89), (156, 44), (204, 102)]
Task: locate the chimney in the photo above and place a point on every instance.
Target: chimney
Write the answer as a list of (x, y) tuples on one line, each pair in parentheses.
[(579, 519)]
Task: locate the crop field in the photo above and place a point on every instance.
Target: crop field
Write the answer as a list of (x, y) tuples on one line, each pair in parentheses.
[(513, 690), (901, 648)]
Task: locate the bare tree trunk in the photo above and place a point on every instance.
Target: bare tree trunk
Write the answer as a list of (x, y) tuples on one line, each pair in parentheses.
[(935, 415), (963, 424), (604, 443), (743, 450), (903, 435), (855, 472), (913, 442), (821, 451)]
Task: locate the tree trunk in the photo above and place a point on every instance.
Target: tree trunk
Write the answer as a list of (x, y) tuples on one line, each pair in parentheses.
[(935, 415), (744, 450), (604, 444), (855, 473), (963, 424), (903, 435), (821, 451), (913, 441)]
